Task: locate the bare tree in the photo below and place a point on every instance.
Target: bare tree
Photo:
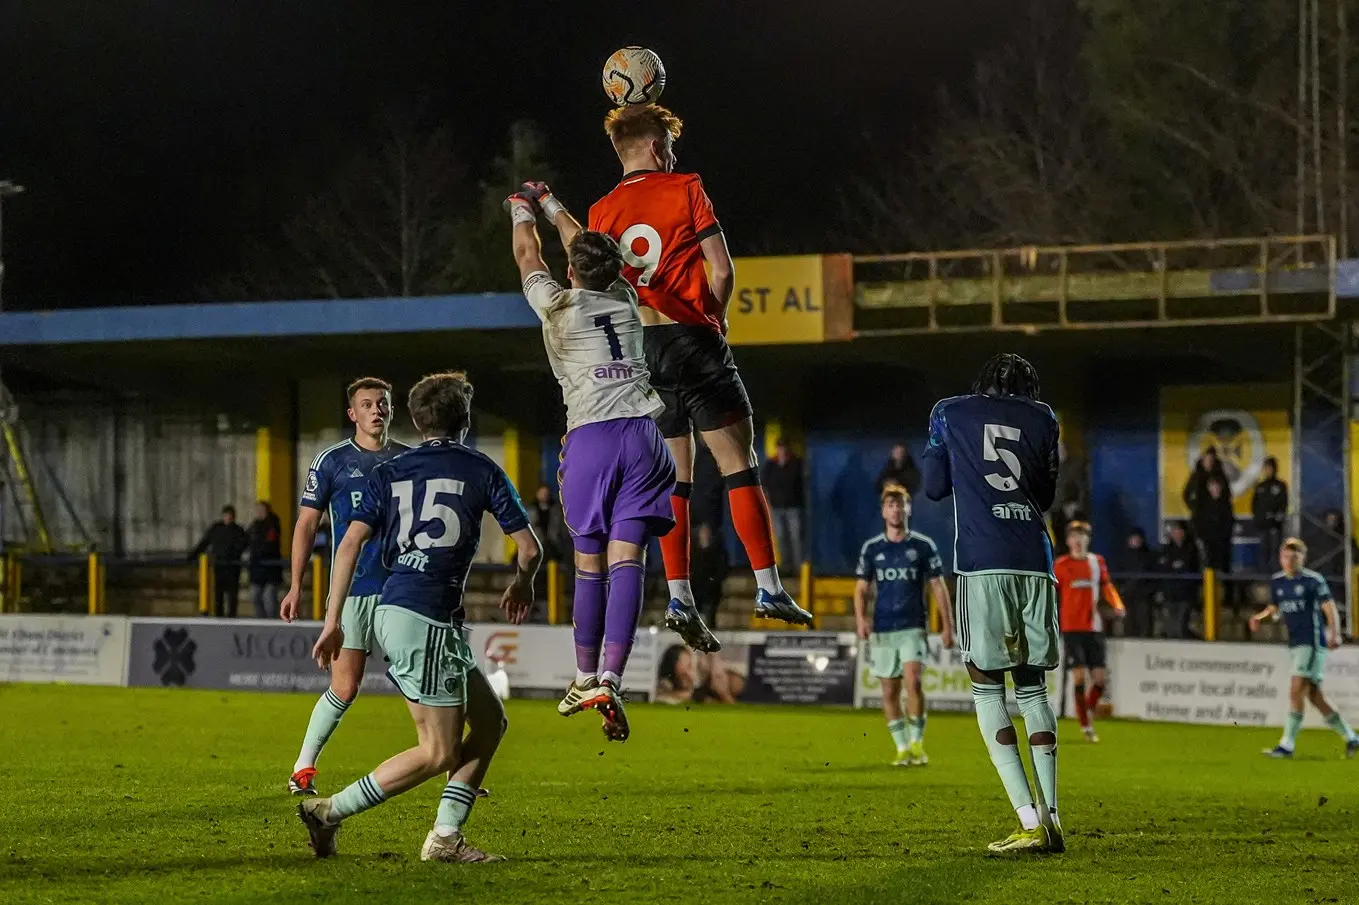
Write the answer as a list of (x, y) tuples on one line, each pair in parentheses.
[(1018, 160)]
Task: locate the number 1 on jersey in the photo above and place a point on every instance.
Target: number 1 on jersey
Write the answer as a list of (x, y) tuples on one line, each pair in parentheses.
[(605, 323)]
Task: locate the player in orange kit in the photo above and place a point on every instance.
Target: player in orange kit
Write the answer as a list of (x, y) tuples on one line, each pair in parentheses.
[(676, 257), (1083, 583)]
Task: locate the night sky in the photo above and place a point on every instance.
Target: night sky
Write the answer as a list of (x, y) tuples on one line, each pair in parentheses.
[(155, 135)]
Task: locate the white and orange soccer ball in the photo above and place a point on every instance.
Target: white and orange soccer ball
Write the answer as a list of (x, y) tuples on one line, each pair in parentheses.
[(634, 75)]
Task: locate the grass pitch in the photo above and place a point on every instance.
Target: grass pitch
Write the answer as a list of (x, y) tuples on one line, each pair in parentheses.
[(151, 796)]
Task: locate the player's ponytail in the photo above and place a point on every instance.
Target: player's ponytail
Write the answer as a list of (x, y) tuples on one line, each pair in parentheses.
[(1007, 374)]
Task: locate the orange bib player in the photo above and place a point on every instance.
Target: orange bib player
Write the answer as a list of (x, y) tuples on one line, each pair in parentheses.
[(1083, 583), (676, 257)]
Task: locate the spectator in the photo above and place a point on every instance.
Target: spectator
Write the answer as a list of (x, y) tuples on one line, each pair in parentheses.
[(1136, 558), (1072, 500), (708, 569), (782, 479), (1213, 522), (1196, 488), (224, 542), (1180, 557), (1269, 508), (266, 561), (549, 523), (899, 470)]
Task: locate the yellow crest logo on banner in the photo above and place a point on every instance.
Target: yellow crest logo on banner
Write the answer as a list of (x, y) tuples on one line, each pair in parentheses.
[(1245, 423)]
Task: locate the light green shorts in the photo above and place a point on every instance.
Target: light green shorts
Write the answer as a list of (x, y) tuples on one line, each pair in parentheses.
[(1309, 662), (889, 652), (1006, 621), (430, 661), (357, 622)]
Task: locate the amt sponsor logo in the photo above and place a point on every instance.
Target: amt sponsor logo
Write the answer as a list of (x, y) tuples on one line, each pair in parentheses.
[(1018, 511), (614, 372)]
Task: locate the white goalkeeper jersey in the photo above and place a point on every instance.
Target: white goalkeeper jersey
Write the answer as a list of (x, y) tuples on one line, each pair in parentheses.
[(594, 344)]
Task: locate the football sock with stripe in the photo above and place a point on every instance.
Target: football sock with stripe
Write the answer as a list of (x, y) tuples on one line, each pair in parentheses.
[(994, 721), (897, 729), (754, 526), (1291, 727), (675, 545), (325, 716), (357, 797), (1337, 722), (1096, 695), (626, 591), (454, 807), (587, 620), (917, 728), (1036, 710)]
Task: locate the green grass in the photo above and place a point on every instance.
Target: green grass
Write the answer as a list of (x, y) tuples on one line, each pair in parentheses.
[(168, 797)]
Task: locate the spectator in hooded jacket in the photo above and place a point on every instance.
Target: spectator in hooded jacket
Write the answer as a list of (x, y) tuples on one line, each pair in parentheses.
[(266, 560), (1269, 510)]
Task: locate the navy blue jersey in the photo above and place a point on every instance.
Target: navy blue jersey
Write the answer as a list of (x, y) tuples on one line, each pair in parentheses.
[(900, 570), (425, 507), (997, 456), (335, 484), (1299, 598)]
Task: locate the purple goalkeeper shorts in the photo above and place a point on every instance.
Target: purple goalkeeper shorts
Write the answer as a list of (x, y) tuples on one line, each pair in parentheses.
[(616, 470)]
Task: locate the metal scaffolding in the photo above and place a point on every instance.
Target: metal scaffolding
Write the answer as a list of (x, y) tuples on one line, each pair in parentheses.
[(1322, 404)]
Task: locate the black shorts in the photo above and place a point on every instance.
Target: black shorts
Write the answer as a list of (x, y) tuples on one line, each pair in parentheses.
[(1085, 649), (693, 372)]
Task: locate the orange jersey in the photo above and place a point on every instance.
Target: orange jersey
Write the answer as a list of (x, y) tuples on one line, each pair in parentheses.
[(659, 220), (1082, 584)]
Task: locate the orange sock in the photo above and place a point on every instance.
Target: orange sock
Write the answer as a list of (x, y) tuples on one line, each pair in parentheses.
[(675, 545), (1096, 695), (750, 515), (1082, 707)]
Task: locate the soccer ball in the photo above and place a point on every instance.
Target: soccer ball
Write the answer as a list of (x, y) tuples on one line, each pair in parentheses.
[(634, 75)]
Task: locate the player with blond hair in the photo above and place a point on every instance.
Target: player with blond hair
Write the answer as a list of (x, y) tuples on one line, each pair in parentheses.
[(1303, 599), (900, 563), (676, 256)]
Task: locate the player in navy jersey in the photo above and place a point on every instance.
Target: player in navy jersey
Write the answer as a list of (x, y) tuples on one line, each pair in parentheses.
[(335, 482), (424, 509), (995, 452), (900, 563), (1303, 598)]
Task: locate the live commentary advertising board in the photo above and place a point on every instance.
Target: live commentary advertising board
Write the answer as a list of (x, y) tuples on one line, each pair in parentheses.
[(1168, 681)]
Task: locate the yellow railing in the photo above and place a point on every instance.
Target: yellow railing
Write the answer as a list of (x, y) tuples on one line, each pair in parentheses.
[(554, 592), (1210, 595), (318, 588), (1035, 286), (204, 585), (94, 582)]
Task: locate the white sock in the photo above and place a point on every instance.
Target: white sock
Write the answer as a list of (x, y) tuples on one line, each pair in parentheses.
[(768, 580), (583, 677), (680, 590), (613, 679), (443, 829), (1028, 816)]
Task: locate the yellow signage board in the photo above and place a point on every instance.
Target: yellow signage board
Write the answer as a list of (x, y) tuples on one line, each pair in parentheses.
[(1244, 422), (778, 300)]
